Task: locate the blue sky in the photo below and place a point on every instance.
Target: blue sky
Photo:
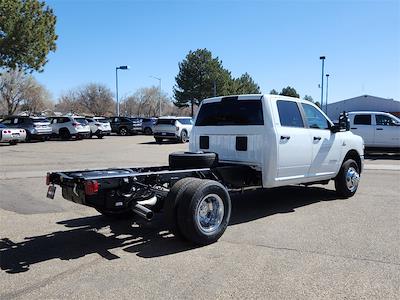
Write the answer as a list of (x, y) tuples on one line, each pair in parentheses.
[(277, 42)]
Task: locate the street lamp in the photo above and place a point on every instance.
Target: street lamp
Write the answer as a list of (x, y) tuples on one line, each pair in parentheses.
[(159, 92), (326, 98), (116, 83), (322, 81)]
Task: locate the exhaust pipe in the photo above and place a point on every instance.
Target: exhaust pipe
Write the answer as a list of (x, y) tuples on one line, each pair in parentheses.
[(143, 211)]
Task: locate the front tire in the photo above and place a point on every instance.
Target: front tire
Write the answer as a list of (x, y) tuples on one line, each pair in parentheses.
[(158, 140), (346, 182), (204, 211)]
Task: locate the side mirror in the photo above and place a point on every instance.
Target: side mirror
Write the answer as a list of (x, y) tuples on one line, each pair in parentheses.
[(344, 123)]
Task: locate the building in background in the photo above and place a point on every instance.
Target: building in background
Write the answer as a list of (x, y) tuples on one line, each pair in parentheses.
[(364, 103)]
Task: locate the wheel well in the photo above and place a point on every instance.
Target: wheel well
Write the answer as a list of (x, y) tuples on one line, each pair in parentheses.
[(353, 154)]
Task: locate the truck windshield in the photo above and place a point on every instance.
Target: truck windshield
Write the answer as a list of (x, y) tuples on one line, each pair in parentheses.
[(233, 112)]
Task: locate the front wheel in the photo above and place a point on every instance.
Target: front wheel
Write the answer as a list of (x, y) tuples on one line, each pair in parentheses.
[(346, 182), (158, 140)]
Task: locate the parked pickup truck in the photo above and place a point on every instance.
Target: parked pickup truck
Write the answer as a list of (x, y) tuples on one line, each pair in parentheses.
[(237, 143), (380, 130)]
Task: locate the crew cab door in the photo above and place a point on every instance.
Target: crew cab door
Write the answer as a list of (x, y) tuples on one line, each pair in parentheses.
[(387, 131), (294, 142), (326, 145), (361, 124)]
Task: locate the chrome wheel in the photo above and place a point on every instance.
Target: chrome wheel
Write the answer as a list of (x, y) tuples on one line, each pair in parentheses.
[(209, 213), (352, 179)]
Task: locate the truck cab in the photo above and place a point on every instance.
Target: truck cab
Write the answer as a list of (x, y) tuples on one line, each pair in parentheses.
[(289, 140)]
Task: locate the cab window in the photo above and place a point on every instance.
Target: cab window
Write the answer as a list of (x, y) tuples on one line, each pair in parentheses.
[(383, 120), (362, 120), (289, 114), (315, 119)]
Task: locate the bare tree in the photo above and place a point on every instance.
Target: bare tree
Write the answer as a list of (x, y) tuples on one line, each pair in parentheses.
[(37, 98), (13, 87), (96, 99), (92, 98)]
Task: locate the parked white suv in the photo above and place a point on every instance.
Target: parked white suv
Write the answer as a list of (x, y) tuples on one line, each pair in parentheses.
[(68, 127), (380, 130), (99, 126), (173, 128)]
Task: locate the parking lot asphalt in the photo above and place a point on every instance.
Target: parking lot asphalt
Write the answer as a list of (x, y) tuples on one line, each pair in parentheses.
[(287, 243)]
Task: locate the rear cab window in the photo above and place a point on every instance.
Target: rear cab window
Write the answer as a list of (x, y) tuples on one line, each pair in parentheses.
[(362, 119), (231, 112), (289, 114)]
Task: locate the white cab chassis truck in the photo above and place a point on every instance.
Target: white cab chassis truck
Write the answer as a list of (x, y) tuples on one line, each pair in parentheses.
[(237, 143)]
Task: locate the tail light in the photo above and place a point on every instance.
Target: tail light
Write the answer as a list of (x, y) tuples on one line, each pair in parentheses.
[(176, 128), (48, 179), (75, 124), (97, 124), (91, 187)]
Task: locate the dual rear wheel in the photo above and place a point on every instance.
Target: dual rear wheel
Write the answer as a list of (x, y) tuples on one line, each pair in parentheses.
[(198, 210)]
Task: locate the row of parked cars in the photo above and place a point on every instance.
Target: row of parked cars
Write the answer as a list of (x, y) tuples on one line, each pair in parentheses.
[(14, 129)]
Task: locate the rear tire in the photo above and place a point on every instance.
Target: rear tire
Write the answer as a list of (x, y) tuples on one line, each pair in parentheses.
[(204, 211), (13, 143), (346, 182), (100, 136), (171, 204), (184, 160), (184, 136), (148, 131), (123, 131), (65, 134)]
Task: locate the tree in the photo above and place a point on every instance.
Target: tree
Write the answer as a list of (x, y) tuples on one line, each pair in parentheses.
[(145, 103), (27, 34), (13, 86), (244, 85), (289, 91), (308, 98), (199, 73), (37, 98), (273, 92), (96, 99), (93, 98)]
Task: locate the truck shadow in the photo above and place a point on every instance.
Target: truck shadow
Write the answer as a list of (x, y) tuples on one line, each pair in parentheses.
[(97, 234)]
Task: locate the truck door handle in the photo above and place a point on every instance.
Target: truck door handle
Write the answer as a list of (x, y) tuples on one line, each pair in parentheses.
[(379, 129), (285, 137), (353, 128), (317, 138)]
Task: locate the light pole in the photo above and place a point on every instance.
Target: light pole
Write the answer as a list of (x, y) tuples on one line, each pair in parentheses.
[(326, 98), (159, 92), (116, 83), (322, 81)]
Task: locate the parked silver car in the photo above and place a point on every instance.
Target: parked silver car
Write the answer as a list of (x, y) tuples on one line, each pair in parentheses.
[(37, 128), (11, 135), (173, 128)]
